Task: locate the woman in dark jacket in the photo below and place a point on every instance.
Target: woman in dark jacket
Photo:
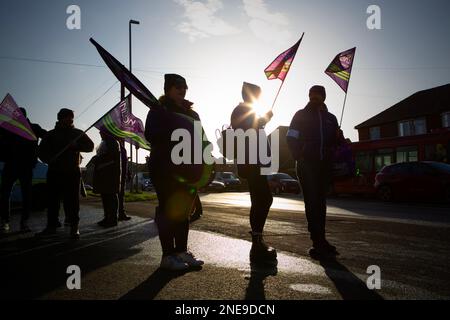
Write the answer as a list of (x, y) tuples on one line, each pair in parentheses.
[(107, 173), (175, 184)]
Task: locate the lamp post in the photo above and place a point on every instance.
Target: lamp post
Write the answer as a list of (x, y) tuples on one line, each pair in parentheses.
[(123, 91)]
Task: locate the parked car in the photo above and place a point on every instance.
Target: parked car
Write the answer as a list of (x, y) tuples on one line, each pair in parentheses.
[(230, 181), (39, 189), (143, 181), (214, 186), (414, 180), (283, 183)]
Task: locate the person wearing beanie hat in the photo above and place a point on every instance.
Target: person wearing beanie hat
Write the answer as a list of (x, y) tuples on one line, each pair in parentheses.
[(63, 175), (312, 139), (174, 184)]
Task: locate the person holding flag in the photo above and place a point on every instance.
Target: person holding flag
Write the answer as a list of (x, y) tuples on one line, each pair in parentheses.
[(244, 117), (20, 158), (60, 149), (312, 138)]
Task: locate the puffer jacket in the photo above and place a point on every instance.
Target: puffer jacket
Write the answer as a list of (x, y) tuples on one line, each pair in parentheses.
[(313, 134)]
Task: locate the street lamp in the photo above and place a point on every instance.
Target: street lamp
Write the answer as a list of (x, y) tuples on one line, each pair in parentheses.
[(123, 91)]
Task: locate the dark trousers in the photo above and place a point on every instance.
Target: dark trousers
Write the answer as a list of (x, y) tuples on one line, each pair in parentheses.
[(261, 198), (315, 177), (173, 223), (65, 186), (110, 206), (121, 194), (11, 173)]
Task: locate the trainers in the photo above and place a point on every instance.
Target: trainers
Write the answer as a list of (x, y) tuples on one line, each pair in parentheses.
[(4, 228), (173, 263), (190, 259)]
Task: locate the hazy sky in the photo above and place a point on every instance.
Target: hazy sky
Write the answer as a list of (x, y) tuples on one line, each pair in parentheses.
[(216, 45)]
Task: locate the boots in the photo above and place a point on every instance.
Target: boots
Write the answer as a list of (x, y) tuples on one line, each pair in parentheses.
[(260, 252), (74, 232)]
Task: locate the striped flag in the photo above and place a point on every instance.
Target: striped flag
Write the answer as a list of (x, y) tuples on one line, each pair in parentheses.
[(340, 68), (121, 123), (13, 120), (279, 68)]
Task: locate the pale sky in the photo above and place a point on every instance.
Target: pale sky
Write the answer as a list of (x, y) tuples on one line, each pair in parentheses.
[(216, 45)]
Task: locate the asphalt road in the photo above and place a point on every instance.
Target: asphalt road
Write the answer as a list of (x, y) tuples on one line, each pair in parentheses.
[(409, 243)]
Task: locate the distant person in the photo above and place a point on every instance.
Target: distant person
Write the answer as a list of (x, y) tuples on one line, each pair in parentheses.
[(61, 150), (20, 157), (123, 180), (175, 196), (312, 138), (107, 174), (244, 117)]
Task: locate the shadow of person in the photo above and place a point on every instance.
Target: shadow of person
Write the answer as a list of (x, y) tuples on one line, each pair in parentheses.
[(150, 288), (258, 273), (349, 286)]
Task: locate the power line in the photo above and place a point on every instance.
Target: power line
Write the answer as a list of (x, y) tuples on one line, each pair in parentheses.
[(96, 100)]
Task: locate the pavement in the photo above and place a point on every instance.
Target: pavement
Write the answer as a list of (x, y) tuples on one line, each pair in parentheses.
[(123, 262)]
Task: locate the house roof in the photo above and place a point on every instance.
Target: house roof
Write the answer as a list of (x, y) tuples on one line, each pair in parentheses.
[(422, 103)]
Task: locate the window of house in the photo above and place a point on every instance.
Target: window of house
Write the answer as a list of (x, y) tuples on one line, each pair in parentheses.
[(446, 120), (384, 157), (364, 162), (374, 133), (407, 154), (412, 127)]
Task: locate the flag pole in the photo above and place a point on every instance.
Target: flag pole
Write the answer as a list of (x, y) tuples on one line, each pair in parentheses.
[(282, 82), (346, 92)]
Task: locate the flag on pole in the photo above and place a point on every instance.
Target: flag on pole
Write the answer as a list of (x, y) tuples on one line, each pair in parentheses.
[(129, 80), (279, 68), (13, 120), (340, 68), (121, 123)]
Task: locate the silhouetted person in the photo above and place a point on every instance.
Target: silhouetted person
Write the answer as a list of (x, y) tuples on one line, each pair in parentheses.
[(123, 179), (175, 197), (107, 174), (20, 157), (312, 139), (61, 149), (244, 117)]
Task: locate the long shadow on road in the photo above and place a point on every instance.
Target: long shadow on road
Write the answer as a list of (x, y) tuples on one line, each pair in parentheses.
[(150, 288), (42, 269), (349, 286)]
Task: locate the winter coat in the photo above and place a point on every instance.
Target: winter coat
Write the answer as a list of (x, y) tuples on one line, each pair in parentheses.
[(20, 151), (57, 140), (160, 124), (313, 134), (107, 167)]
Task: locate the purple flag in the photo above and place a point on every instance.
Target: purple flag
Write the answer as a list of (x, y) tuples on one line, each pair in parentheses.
[(279, 68), (13, 120), (340, 68), (129, 80), (121, 123)]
